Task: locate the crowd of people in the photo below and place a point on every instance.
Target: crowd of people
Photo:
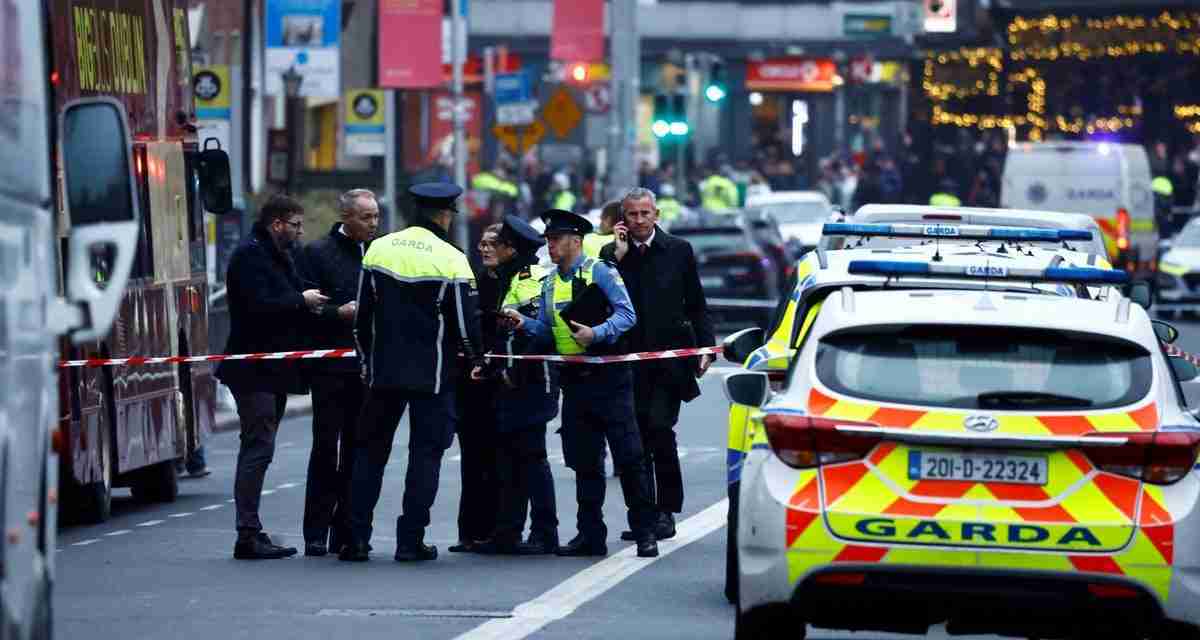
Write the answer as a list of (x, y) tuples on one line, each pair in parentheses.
[(442, 340)]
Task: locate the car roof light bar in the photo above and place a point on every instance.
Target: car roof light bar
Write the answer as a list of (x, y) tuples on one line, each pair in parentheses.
[(1075, 275), (954, 231)]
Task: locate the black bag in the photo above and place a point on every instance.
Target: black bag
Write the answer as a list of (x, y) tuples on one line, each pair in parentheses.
[(589, 307)]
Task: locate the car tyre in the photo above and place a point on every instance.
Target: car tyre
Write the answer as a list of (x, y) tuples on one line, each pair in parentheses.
[(156, 483)]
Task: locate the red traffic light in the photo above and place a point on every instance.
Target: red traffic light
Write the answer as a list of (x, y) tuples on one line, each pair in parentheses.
[(578, 72)]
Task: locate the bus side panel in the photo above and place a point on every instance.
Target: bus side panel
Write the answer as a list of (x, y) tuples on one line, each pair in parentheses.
[(145, 396)]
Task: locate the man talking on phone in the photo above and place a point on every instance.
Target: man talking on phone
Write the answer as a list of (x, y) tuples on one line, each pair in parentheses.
[(662, 279), (597, 398)]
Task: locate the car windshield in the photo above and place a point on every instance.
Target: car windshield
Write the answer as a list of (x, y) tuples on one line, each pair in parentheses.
[(794, 212), (1189, 236), (715, 240), (992, 368)]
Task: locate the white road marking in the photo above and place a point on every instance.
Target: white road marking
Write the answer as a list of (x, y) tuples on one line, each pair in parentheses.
[(84, 543), (211, 507), (287, 485), (182, 515), (562, 600), (229, 501), (267, 492), (119, 532), (151, 523)]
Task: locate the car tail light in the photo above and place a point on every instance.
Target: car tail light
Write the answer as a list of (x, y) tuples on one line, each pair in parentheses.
[(1122, 228), (1157, 457), (1113, 591), (840, 578), (803, 442)]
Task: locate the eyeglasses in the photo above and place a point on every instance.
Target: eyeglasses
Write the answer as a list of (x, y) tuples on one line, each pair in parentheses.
[(294, 225)]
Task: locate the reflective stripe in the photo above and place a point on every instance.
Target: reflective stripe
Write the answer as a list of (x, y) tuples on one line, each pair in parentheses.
[(458, 308), (437, 374)]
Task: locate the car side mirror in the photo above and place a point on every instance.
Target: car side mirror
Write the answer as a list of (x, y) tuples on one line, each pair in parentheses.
[(103, 210), (1165, 332), (216, 186), (1140, 293), (1164, 245), (738, 346), (750, 388), (1185, 370)]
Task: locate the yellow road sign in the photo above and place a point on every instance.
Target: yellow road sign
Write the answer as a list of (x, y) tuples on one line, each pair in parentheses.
[(518, 139), (562, 113)]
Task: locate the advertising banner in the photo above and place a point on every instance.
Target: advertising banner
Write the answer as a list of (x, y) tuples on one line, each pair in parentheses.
[(410, 44), (304, 35), (577, 34)]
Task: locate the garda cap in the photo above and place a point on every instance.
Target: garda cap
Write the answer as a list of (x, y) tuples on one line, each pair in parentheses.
[(522, 237), (560, 222), (435, 196)]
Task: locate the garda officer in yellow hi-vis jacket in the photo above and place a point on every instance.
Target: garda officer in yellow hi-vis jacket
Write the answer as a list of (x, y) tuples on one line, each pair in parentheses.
[(597, 398), (593, 242), (416, 313)]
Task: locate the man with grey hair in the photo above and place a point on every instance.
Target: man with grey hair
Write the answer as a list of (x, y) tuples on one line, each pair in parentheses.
[(663, 281), (332, 264)]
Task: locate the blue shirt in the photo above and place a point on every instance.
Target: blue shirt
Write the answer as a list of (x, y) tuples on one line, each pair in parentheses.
[(605, 277)]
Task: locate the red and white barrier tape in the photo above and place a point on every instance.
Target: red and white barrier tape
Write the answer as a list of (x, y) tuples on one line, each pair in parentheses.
[(1175, 351), (350, 353)]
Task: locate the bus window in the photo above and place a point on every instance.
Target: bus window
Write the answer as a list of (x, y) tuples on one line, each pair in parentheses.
[(143, 261)]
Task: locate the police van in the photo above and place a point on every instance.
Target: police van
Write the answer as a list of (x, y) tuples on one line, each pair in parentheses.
[(1108, 181)]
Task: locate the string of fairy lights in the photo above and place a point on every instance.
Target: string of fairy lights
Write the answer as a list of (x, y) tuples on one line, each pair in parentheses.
[(969, 74)]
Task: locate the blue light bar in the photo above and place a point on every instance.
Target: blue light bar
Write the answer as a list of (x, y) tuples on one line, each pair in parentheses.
[(1074, 275), (963, 231)]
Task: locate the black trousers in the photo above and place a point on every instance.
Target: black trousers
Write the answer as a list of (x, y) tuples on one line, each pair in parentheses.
[(596, 408), (477, 442), (657, 406), (433, 420), (337, 402), (259, 413), (524, 477)]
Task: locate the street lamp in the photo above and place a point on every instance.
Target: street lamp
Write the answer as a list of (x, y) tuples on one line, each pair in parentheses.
[(291, 88)]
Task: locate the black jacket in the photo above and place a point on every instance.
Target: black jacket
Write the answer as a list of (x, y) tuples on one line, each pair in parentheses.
[(671, 310), (417, 311), (333, 264), (266, 313)]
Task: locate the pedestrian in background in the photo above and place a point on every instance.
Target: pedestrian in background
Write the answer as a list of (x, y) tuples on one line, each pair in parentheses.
[(610, 215), (333, 265), (416, 312), (269, 310), (663, 281), (526, 398), (597, 399)]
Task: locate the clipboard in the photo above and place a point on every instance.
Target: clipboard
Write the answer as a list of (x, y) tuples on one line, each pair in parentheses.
[(590, 308)]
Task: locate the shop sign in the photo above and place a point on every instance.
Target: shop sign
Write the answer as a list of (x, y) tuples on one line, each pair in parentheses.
[(791, 74), (862, 25)]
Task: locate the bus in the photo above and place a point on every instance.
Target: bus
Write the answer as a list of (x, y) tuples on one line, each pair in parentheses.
[(128, 426)]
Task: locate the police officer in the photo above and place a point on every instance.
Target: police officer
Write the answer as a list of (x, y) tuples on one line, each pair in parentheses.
[(718, 194), (597, 399), (526, 399), (610, 215), (416, 312)]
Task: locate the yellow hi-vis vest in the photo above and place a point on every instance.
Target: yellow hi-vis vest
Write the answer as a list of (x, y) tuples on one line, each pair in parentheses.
[(718, 194), (943, 199), (594, 242), (526, 287), (565, 200), (669, 209), (561, 294)]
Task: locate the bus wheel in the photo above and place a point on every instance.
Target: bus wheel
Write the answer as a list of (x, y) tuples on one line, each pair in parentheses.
[(156, 483), (90, 503)]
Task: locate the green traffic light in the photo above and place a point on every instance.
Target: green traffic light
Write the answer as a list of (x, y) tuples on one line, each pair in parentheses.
[(714, 93), (661, 128)]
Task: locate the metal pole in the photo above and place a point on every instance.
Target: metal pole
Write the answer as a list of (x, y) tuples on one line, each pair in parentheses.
[(247, 96), (390, 198), (626, 57), (458, 39)]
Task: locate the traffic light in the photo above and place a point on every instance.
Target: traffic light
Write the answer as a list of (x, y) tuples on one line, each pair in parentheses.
[(670, 116), (716, 91), (578, 72)]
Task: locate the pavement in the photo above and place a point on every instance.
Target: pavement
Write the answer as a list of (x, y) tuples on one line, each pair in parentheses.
[(166, 570)]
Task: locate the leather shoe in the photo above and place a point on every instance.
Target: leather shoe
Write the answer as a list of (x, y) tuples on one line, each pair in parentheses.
[(355, 552), (581, 547), (628, 536), (260, 547), (647, 548), (315, 549), (664, 529), (415, 552), (462, 546), (538, 547)]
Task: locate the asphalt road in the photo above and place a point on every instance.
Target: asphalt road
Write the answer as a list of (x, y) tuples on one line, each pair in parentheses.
[(166, 571)]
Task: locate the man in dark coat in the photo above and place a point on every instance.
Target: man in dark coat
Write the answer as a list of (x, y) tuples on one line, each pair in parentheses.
[(333, 265), (269, 310), (661, 275)]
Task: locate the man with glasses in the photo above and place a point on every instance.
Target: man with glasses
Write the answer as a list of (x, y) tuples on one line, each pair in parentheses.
[(269, 310)]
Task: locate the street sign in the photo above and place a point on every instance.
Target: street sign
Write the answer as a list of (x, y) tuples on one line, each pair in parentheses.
[(511, 88), (519, 139), (445, 108), (562, 113), (598, 98), (516, 113), (941, 16), (866, 25), (365, 130)]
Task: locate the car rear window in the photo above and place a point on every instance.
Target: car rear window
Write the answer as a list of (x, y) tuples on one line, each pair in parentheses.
[(715, 240), (990, 368)]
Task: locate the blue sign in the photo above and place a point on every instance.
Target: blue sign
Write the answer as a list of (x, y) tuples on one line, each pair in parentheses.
[(511, 87), (303, 36)]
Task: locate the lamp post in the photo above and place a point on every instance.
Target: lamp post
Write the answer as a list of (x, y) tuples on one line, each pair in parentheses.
[(291, 88)]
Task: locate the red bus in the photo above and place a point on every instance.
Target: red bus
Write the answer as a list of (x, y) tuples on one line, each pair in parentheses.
[(127, 426)]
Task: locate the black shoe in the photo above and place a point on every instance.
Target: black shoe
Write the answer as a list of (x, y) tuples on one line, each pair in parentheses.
[(415, 552), (198, 473), (462, 546), (493, 547), (315, 549), (628, 536), (355, 552), (538, 547), (647, 548), (664, 529), (581, 547), (260, 547)]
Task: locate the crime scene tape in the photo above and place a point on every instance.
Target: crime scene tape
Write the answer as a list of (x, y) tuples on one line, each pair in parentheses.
[(1175, 351), (311, 354)]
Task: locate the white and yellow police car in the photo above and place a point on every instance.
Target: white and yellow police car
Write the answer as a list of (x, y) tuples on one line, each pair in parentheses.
[(989, 457)]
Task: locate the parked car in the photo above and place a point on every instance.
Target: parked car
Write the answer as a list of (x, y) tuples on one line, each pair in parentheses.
[(800, 215), (739, 276)]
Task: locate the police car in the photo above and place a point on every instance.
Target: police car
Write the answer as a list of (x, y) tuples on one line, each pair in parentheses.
[(990, 457), (1178, 275)]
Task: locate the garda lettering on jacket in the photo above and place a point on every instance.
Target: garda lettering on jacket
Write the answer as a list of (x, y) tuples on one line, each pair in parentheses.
[(1000, 534), (415, 245)]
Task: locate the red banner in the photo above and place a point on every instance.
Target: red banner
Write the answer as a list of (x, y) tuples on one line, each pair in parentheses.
[(410, 44), (578, 32), (791, 74)]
